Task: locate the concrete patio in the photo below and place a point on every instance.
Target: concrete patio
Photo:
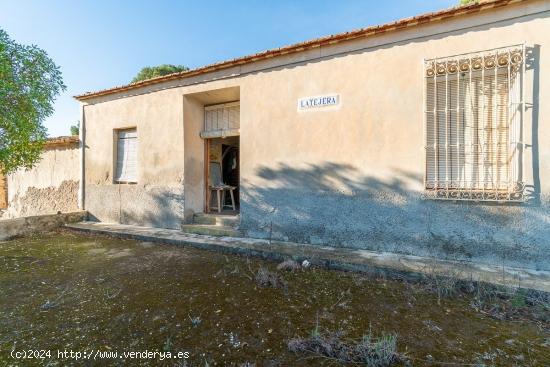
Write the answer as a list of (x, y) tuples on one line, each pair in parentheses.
[(384, 264)]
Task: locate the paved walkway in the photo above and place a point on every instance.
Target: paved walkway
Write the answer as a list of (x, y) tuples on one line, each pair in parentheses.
[(385, 264)]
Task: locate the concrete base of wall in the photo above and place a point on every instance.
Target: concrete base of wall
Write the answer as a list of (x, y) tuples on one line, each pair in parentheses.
[(386, 264), (392, 219), (144, 205), (10, 228)]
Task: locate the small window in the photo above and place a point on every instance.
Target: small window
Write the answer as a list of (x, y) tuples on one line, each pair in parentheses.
[(474, 111), (126, 160)]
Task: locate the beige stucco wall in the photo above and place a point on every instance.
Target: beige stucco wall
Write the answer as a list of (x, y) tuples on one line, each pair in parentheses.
[(157, 198), (49, 187), (350, 176)]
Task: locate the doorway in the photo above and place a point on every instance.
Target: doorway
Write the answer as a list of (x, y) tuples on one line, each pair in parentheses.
[(222, 175)]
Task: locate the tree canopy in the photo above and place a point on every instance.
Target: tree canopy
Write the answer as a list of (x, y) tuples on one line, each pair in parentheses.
[(467, 2), (29, 83), (75, 129), (149, 72)]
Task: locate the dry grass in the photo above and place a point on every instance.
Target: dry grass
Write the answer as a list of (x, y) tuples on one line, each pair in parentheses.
[(266, 278), (368, 351), (500, 302), (289, 265)]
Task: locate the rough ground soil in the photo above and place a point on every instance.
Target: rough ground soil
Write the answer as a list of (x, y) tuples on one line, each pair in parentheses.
[(66, 291)]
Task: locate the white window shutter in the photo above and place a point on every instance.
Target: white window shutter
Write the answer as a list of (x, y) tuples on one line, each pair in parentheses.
[(126, 167)]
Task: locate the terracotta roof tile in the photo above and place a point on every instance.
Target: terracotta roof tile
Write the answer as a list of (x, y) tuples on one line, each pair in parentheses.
[(59, 141)]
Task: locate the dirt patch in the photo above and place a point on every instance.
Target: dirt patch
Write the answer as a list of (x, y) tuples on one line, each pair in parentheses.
[(114, 254), (58, 291), (97, 251)]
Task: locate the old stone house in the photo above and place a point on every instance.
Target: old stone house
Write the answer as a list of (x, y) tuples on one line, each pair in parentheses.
[(424, 136)]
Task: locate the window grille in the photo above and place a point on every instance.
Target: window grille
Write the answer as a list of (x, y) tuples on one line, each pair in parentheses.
[(473, 125), (126, 160), (221, 120)]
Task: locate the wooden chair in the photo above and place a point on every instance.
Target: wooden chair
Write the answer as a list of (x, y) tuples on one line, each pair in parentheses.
[(216, 184)]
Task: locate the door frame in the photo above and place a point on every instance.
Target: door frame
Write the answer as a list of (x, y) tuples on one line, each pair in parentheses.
[(207, 192), (206, 175)]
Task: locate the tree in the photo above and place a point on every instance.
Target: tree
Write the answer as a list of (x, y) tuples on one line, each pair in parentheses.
[(29, 83), (75, 129), (149, 72), (467, 2)]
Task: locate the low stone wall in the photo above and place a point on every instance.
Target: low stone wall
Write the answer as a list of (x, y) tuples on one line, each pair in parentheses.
[(10, 228), (51, 186)]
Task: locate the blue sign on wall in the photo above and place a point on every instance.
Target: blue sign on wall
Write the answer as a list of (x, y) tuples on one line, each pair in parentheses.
[(308, 103)]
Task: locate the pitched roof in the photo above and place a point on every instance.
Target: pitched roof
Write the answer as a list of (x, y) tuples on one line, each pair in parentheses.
[(482, 5)]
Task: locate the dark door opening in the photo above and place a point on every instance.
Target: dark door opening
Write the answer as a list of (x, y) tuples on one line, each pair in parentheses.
[(223, 175), (230, 168)]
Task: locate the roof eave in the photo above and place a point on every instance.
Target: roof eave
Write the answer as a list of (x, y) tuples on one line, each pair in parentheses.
[(318, 42)]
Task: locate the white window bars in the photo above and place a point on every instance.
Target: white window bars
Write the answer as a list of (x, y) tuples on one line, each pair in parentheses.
[(474, 108)]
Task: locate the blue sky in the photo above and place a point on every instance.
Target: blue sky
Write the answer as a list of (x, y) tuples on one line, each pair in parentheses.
[(100, 44)]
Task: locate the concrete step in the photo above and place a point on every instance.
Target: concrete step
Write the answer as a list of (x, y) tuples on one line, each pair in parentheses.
[(211, 230), (216, 219)]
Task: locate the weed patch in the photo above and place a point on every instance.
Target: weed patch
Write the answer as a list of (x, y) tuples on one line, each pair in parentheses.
[(369, 351), (289, 265), (266, 278), (499, 302)]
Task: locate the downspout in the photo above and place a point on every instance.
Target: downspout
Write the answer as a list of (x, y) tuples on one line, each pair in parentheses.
[(82, 146)]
